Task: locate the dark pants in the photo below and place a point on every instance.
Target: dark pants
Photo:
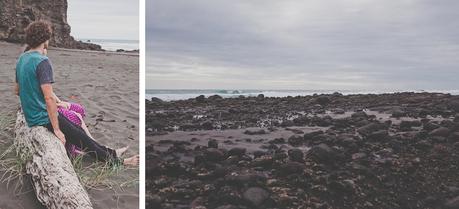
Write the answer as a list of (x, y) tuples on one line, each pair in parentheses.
[(76, 135)]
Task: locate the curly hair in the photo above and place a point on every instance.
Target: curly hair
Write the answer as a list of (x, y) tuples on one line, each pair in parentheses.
[(37, 33)]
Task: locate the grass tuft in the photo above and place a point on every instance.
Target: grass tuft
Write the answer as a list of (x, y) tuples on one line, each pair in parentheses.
[(12, 169)]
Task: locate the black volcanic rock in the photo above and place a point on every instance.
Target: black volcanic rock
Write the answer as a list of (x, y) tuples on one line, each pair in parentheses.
[(256, 196), (452, 203), (323, 154), (454, 105), (207, 125), (212, 143), (296, 155), (155, 100), (361, 161), (370, 128), (200, 98), (359, 114), (291, 168), (441, 131), (323, 100), (236, 151), (213, 155), (215, 97), (295, 140), (408, 125), (255, 132)]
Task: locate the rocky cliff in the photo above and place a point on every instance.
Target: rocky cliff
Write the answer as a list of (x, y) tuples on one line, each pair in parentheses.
[(15, 15)]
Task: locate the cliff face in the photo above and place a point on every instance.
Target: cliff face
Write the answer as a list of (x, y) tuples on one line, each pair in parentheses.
[(15, 15)]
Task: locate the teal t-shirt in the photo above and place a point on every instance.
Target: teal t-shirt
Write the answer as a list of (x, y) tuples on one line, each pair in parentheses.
[(33, 70)]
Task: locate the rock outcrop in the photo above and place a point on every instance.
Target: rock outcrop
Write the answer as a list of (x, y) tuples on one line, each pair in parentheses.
[(15, 15)]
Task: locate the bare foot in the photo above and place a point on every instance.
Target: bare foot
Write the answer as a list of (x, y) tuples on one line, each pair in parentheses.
[(120, 151), (132, 161)]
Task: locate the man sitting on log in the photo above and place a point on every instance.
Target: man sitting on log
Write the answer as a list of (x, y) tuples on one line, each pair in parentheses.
[(34, 79)]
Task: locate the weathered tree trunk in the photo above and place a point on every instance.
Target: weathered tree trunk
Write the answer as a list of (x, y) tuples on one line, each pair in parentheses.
[(54, 179)]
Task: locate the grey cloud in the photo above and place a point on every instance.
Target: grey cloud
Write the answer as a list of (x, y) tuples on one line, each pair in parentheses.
[(114, 19), (406, 45)]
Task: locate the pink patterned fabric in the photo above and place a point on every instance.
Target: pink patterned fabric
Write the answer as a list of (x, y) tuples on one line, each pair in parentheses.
[(71, 114), (78, 109), (72, 149)]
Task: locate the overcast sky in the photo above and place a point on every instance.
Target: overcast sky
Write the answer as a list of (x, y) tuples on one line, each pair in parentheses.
[(296, 44), (102, 19)]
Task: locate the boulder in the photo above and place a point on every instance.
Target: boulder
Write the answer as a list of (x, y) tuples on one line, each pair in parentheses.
[(359, 114), (322, 153), (255, 132), (256, 196), (296, 155), (442, 131), (368, 129), (323, 100), (215, 97), (236, 151), (200, 98), (212, 143), (214, 155), (454, 105), (295, 140)]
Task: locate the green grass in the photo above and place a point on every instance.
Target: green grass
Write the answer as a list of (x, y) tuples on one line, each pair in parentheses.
[(92, 175), (7, 121), (12, 169), (99, 175)]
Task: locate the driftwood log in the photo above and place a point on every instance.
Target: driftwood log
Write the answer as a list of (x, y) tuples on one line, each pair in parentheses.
[(55, 182)]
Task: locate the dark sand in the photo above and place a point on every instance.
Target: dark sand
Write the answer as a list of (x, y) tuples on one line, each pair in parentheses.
[(107, 85)]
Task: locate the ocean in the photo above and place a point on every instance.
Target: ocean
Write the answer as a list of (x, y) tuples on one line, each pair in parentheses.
[(181, 94), (114, 44)]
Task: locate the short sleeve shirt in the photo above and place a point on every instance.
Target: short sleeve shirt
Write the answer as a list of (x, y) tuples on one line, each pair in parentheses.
[(33, 70)]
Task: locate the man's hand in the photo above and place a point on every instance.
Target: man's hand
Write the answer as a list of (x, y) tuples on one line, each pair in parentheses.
[(65, 105), (60, 136)]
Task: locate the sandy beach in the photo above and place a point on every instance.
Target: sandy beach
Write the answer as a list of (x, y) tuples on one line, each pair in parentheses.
[(323, 151), (107, 85)]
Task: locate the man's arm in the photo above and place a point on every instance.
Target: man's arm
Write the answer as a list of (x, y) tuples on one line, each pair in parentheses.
[(16, 89), (51, 107)]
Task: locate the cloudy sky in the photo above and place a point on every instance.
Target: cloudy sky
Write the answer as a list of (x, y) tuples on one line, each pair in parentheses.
[(296, 44), (101, 19)]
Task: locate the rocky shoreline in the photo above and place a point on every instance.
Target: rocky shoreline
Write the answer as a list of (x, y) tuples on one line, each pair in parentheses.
[(322, 151)]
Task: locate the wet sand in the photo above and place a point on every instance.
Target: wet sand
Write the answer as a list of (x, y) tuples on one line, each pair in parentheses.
[(106, 84)]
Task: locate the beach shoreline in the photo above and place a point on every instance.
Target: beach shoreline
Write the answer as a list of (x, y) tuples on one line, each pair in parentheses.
[(184, 94), (107, 84), (321, 151)]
